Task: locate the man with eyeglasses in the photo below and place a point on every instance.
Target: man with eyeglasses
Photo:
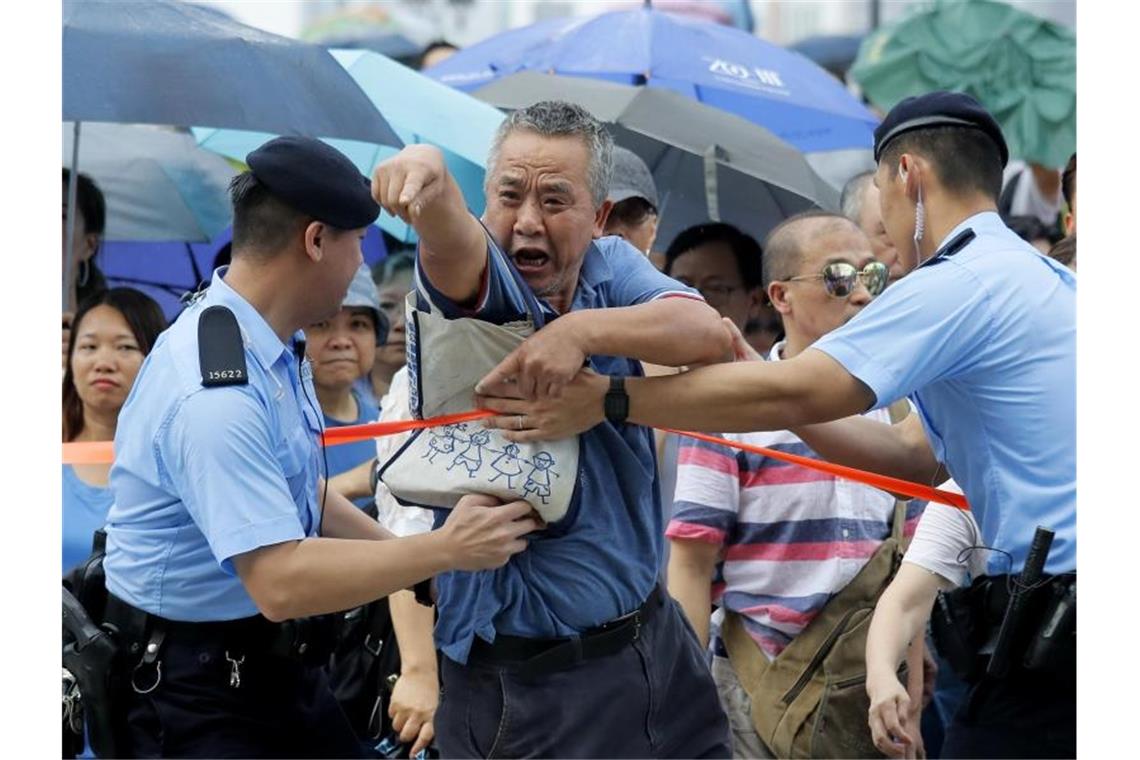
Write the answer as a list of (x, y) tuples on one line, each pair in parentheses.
[(981, 334), (811, 534)]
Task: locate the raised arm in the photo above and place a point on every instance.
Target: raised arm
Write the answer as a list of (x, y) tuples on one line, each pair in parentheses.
[(416, 186)]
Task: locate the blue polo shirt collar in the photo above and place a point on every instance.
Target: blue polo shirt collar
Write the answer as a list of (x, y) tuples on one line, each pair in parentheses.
[(595, 271), (259, 337)]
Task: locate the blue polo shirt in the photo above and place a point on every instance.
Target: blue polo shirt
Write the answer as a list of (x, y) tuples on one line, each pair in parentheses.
[(601, 560), (204, 474), (984, 343)]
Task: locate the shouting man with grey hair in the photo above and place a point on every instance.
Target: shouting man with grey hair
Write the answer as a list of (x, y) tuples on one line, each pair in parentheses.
[(576, 652)]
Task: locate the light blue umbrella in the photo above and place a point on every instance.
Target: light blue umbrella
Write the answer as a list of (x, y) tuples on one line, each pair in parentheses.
[(419, 109)]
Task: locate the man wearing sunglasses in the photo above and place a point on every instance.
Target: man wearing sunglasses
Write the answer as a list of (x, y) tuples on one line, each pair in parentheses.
[(981, 334), (811, 535)]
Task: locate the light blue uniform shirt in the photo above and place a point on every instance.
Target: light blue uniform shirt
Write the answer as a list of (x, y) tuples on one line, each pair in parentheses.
[(602, 559), (203, 474), (984, 343)]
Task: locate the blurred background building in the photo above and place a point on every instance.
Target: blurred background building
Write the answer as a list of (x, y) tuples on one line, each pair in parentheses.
[(786, 22)]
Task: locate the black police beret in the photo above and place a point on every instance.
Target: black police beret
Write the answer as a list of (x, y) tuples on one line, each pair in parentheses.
[(316, 179), (938, 109)]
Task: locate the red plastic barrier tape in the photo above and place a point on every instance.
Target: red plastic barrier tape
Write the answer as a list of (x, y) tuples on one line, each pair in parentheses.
[(99, 452)]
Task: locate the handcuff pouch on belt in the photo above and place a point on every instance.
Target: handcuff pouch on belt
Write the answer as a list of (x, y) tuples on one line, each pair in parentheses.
[(965, 622)]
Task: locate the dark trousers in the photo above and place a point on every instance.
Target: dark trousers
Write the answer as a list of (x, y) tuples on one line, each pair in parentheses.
[(1024, 715), (653, 698), (280, 709)]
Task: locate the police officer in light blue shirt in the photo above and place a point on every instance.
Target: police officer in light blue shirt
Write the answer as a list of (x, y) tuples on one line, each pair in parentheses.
[(982, 337), (223, 543)]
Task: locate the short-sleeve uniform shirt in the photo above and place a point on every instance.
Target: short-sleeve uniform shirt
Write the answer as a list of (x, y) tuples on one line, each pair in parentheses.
[(984, 343), (204, 474), (601, 560)]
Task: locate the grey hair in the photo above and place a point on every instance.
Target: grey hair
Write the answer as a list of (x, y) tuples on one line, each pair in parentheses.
[(851, 199), (557, 118)]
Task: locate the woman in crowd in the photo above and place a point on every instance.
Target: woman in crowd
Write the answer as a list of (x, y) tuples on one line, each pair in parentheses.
[(112, 333), (342, 349)]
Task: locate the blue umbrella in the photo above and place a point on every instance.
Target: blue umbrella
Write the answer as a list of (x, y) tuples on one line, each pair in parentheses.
[(420, 109), (717, 65), (167, 270)]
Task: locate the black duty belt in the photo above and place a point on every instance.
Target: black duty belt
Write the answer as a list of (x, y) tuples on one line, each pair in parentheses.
[(533, 656), (308, 641)]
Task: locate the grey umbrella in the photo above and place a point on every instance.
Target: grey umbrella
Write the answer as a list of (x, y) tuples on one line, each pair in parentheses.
[(706, 163)]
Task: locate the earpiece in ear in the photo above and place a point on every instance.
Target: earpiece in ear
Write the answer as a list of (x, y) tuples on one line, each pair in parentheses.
[(902, 173)]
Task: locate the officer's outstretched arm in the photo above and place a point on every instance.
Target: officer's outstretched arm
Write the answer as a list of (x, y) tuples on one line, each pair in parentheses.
[(318, 575), (900, 450), (723, 398), (416, 186)]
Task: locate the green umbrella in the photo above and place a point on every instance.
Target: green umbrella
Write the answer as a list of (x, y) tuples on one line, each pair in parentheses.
[(1021, 67)]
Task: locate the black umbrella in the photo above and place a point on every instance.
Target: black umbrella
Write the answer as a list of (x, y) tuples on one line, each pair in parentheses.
[(706, 163), (167, 62)]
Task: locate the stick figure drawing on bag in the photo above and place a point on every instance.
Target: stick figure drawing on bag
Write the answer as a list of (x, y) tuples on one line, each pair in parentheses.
[(472, 456), (538, 480), (507, 464)]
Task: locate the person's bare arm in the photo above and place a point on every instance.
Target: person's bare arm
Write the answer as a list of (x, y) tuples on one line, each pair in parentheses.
[(668, 331), (691, 565), (318, 575), (724, 398), (900, 450), (354, 483), (416, 186), (416, 694), (900, 616), (915, 658), (343, 519)]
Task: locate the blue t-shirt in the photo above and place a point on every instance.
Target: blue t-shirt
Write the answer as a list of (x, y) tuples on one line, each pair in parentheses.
[(601, 560), (204, 474), (345, 456), (984, 343), (84, 512)]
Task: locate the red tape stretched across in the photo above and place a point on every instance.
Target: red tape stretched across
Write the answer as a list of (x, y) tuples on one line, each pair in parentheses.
[(99, 452), (885, 482)]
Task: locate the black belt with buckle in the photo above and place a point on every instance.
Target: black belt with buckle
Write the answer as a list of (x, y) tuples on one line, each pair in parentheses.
[(534, 656), (308, 641)]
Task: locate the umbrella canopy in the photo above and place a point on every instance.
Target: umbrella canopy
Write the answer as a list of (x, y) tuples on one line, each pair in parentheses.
[(1019, 66), (167, 270), (706, 163), (167, 62), (157, 182), (717, 65), (420, 109)]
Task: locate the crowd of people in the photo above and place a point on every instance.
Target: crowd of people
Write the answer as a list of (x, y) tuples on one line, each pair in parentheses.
[(599, 585)]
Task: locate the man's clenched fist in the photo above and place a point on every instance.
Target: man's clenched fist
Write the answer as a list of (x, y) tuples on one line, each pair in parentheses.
[(410, 180)]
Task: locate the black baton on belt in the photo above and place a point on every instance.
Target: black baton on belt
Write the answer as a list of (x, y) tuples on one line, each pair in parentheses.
[(1011, 621)]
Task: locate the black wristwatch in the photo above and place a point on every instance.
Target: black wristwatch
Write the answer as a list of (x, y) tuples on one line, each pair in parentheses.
[(617, 401)]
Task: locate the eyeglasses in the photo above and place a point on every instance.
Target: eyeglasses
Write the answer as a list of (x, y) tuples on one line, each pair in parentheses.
[(839, 278)]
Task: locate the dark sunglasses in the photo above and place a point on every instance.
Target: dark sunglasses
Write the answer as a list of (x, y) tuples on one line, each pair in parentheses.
[(839, 278)]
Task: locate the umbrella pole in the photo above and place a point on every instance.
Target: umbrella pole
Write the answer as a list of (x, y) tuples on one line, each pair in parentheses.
[(712, 198), (68, 254)]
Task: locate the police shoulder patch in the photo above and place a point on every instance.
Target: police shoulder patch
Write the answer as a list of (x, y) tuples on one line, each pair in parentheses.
[(221, 351)]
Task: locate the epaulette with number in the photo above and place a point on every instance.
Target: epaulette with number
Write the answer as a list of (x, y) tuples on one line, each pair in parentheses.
[(221, 351)]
